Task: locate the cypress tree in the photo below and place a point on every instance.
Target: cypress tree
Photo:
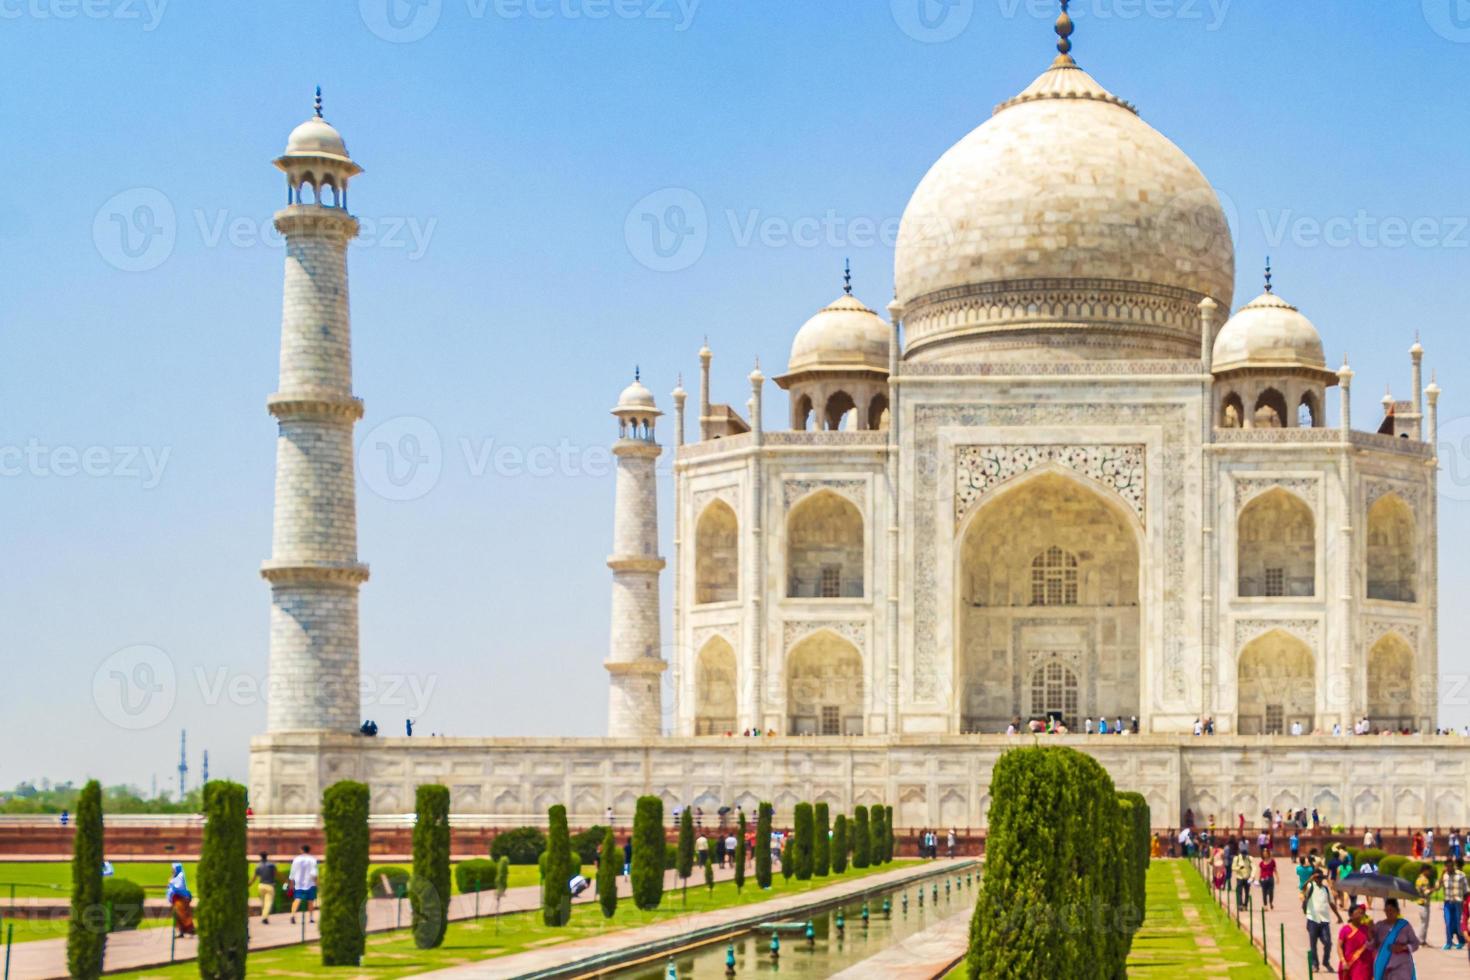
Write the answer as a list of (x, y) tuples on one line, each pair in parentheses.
[(428, 889), (344, 874), (556, 896), (224, 904), (684, 863), (609, 863), (502, 880), (1138, 822), (889, 841), (763, 846), (839, 844), (740, 854), (862, 838), (649, 853), (821, 843), (875, 835), (803, 829), (86, 932), (788, 856)]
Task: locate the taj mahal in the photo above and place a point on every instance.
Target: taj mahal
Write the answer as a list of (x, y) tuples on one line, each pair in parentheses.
[(1066, 473)]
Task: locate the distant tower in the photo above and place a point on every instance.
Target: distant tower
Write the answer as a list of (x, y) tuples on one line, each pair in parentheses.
[(183, 761), (313, 569), (635, 658)]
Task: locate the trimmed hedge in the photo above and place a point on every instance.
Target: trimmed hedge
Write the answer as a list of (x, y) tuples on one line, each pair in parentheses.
[(839, 845), (126, 900), (684, 854), (821, 842), (398, 878), (788, 856), (740, 853), (224, 905), (476, 875), (344, 873), (556, 895), (650, 855), (609, 866), (587, 844), (876, 835), (763, 846), (888, 830), (803, 825), (1137, 843), (523, 845), (86, 936), (1062, 861), (862, 839), (428, 889), (1393, 865)]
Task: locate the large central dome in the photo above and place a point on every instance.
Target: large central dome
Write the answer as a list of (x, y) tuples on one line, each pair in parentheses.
[(1065, 227)]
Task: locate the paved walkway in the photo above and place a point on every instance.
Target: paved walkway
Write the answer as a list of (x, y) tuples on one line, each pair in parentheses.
[(1430, 963), (45, 959), (682, 931), (922, 956)]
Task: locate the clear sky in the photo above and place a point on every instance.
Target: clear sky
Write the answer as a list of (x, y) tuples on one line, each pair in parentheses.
[(502, 294)]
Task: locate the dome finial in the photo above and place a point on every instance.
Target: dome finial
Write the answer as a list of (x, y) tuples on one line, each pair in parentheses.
[(318, 104), (1268, 273), (637, 373), (847, 276), (1064, 34)]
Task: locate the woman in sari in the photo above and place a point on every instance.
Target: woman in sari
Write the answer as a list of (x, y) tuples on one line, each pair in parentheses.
[(1355, 946), (179, 899), (1220, 867)]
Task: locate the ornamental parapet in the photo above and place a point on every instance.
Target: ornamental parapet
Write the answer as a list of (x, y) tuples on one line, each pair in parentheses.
[(643, 665), (635, 563), (857, 439), (314, 219), (309, 404), (346, 574)]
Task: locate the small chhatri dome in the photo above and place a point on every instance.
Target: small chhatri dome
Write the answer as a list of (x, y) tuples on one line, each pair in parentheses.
[(636, 397), (1269, 332), (845, 336), (318, 138)]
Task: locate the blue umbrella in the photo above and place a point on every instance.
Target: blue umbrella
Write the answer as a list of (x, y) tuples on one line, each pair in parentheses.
[(1377, 886)]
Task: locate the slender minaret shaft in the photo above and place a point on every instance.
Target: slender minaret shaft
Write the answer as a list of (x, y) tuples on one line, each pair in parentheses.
[(635, 655), (313, 569)]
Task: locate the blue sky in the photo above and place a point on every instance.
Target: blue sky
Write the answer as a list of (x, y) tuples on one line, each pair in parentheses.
[(500, 300)]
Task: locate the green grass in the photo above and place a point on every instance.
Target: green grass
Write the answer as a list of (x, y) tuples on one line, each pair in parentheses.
[(1166, 946), (30, 930), (392, 954)]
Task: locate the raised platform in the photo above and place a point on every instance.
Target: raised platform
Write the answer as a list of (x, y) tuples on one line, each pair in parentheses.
[(931, 781)]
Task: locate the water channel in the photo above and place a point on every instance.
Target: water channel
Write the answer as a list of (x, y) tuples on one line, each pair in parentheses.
[(830, 949)]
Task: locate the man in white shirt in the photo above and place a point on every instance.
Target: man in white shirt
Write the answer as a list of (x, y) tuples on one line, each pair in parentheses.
[(303, 882), (1319, 907)]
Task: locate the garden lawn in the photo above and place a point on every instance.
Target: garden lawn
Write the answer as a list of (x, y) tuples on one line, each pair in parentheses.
[(393, 954), (1186, 935)]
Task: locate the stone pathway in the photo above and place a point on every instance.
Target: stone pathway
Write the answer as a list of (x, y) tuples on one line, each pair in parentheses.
[(586, 955), (45, 959), (922, 956)]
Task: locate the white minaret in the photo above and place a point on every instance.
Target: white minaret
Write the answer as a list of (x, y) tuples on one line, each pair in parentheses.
[(313, 569), (635, 656)]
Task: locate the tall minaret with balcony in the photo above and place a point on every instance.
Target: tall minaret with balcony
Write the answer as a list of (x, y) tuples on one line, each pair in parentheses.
[(635, 657), (313, 569)]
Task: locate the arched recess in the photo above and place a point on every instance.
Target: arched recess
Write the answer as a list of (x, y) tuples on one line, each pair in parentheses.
[(1048, 569), (1270, 410), (1276, 685), (840, 412), (824, 548), (715, 688), (824, 686), (1276, 546), (1392, 550), (1308, 412), (801, 413), (717, 555), (1391, 684), (878, 413), (1232, 412)]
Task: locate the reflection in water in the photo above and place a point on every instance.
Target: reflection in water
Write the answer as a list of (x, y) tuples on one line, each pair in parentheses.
[(913, 908)]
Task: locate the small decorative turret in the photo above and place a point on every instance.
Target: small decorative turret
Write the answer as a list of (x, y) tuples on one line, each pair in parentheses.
[(1345, 384)]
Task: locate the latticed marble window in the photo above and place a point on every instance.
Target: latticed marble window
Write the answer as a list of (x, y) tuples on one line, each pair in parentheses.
[(831, 585), (1054, 690), (1054, 578), (1275, 581), (1275, 719), (831, 720)]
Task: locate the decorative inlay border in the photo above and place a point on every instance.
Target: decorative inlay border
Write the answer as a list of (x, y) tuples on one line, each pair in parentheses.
[(980, 469), (1247, 488), (1174, 421), (703, 634), (855, 490), (793, 630), (1375, 490), (729, 494), (1248, 630), (1377, 629)]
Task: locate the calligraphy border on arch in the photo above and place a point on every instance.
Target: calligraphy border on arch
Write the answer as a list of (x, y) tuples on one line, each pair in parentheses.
[(980, 469), (1171, 417), (854, 490)]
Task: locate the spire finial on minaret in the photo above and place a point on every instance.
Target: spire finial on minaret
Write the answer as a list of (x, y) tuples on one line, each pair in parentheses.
[(1268, 274), (637, 373), (318, 105), (1064, 34), (847, 276)]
